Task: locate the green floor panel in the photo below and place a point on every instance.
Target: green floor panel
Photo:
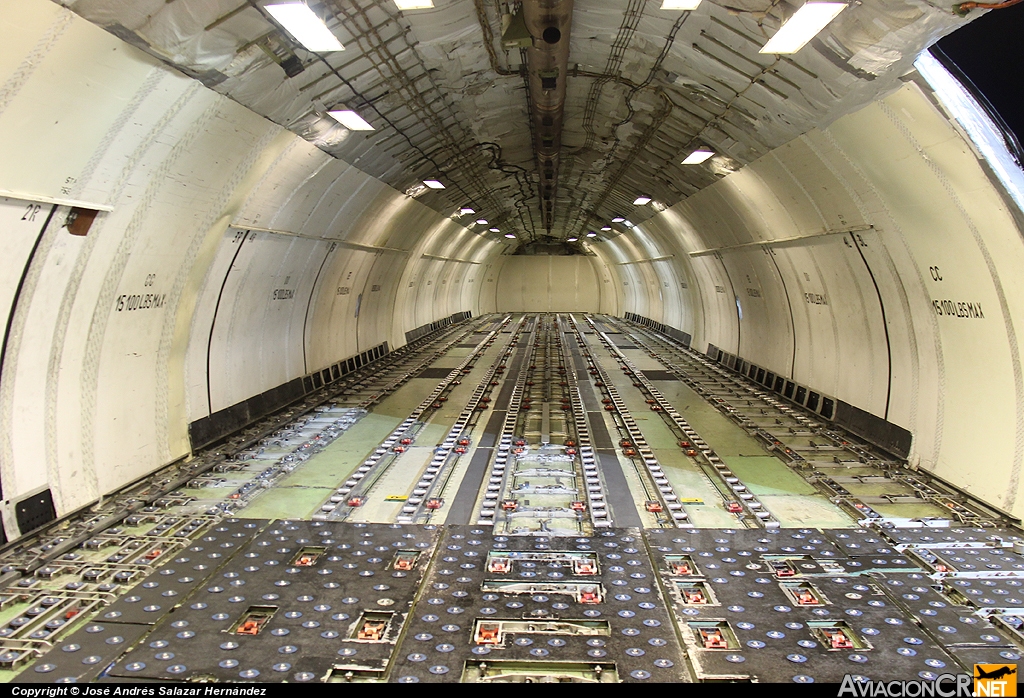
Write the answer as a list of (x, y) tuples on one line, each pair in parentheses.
[(642, 361), (872, 489), (404, 400), (287, 502), (724, 435), (767, 475), (910, 511), (689, 481), (449, 361), (851, 470), (712, 517), (312, 482), (432, 434), (691, 484), (657, 433), (327, 469), (358, 442), (399, 479), (814, 511)]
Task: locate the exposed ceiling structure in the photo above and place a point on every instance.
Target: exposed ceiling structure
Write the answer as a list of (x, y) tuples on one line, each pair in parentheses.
[(643, 88)]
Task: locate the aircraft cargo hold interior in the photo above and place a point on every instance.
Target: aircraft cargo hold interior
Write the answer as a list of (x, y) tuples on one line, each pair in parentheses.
[(506, 341)]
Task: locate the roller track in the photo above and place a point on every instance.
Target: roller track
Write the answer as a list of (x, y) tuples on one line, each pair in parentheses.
[(816, 450), (543, 478), (542, 449), (695, 447), (355, 492), (361, 389)]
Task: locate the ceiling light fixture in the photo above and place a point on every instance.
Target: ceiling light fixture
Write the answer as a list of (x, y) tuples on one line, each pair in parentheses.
[(680, 4), (606, 228), (572, 239), (803, 26), (642, 201), (618, 219), (494, 230), (591, 234), (414, 4), (303, 24), (350, 120), (698, 156), (464, 210), (433, 184), (509, 235), (481, 221)]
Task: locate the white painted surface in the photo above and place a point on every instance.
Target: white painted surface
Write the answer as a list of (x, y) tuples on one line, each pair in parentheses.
[(95, 396), (548, 284), (92, 397), (901, 176)]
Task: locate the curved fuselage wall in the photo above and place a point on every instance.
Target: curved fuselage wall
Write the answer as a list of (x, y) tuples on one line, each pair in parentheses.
[(234, 257), (891, 282)]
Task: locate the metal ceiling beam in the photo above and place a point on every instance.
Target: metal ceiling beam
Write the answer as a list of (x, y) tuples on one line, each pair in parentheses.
[(548, 22)]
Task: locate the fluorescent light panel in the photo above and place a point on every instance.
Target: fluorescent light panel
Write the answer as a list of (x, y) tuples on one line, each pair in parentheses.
[(302, 23), (509, 235), (618, 219), (572, 239), (591, 234), (414, 4), (481, 221), (494, 230), (642, 201), (680, 4), (466, 209), (803, 26), (698, 156), (607, 227), (433, 184), (350, 120)]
